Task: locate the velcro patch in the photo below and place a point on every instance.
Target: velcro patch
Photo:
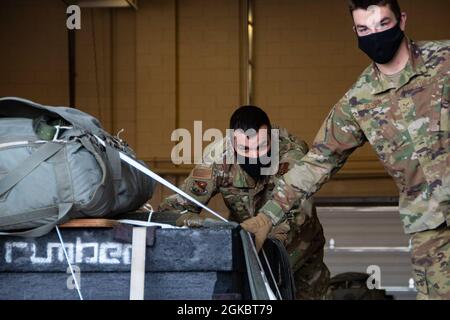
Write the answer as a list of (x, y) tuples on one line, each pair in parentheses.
[(202, 173), (283, 168), (199, 188)]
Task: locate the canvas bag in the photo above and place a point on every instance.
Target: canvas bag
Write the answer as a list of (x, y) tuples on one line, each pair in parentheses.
[(53, 169)]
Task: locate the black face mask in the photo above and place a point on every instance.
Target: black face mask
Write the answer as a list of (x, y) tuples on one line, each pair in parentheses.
[(254, 169), (381, 47)]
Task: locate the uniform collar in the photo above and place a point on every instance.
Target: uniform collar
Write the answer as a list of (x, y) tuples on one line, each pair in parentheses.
[(414, 67), (241, 179)]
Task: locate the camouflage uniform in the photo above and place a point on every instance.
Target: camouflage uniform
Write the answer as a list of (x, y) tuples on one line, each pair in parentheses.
[(406, 120), (244, 197), (431, 263)]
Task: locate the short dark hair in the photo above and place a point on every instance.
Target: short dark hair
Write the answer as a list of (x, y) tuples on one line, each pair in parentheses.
[(364, 4), (249, 117)]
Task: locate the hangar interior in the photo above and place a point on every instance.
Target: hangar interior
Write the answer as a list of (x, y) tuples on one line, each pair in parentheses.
[(152, 66)]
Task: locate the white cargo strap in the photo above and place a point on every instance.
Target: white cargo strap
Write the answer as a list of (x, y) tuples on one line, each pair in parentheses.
[(137, 277), (77, 285), (138, 255), (166, 183)]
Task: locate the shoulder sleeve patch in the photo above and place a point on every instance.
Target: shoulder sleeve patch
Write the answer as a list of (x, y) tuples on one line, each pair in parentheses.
[(283, 169), (202, 173)]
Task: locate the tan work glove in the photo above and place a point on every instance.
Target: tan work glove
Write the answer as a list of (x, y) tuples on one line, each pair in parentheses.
[(260, 226), (280, 232), (190, 219)]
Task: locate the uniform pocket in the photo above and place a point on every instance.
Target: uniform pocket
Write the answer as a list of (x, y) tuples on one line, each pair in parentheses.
[(380, 126), (392, 139), (440, 116), (420, 280), (387, 137), (420, 260)]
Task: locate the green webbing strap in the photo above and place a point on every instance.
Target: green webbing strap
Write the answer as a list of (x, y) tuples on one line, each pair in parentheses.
[(63, 213), (27, 166), (17, 219), (86, 142), (115, 165), (18, 174)]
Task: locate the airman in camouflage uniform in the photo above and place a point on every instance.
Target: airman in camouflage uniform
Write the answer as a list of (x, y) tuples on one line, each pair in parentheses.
[(244, 197), (407, 122)]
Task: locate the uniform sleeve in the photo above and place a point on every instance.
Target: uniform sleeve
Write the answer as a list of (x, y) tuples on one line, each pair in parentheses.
[(338, 137), (201, 184), (292, 151)]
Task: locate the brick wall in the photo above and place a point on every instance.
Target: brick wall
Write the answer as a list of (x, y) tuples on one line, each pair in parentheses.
[(176, 61), (33, 51), (208, 62)]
